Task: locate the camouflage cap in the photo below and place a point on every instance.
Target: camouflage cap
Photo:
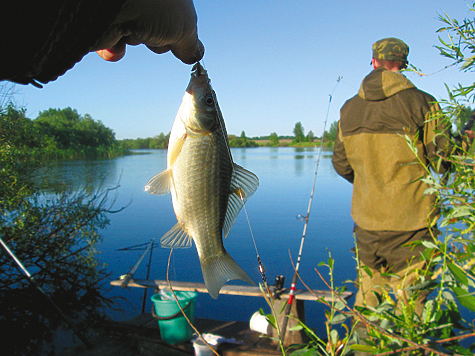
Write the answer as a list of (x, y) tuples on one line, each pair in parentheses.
[(391, 49)]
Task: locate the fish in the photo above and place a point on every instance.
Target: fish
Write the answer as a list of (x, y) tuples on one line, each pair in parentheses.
[(208, 189)]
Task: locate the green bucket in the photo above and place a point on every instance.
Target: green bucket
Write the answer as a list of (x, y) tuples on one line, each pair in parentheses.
[(174, 328)]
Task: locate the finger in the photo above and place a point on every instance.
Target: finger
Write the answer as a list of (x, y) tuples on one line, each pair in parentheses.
[(114, 53), (188, 52), (159, 49), (185, 55)]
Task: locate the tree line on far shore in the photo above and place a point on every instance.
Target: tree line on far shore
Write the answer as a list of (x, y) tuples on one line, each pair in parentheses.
[(299, 139), (64, 133)]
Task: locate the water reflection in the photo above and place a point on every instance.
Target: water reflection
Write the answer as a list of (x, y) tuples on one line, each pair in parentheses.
[(274, 153), (241, 154), (286, 176), (299, 150), (88, 175), (55, 241)]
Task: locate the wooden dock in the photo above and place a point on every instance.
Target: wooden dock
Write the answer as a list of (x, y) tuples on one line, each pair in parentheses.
[(251, 343), (141, 337), (248, 291)]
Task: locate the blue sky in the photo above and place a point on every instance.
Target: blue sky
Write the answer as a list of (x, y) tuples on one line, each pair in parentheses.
[(271, 63)]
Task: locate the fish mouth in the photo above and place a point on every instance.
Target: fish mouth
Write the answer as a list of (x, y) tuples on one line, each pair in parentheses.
[(198, 70), (199, 79)]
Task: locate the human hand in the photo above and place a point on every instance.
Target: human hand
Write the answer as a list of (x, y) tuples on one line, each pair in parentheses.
[(162, 25)]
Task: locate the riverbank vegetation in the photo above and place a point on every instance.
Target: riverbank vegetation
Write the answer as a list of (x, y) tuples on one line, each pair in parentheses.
[(445, 326), (58, 134), (52, 233)]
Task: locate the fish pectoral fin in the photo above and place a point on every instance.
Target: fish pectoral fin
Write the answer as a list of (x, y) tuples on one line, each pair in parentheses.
[(176, 238), (243, 185), (220, 270), (243, 182), (160, 184)]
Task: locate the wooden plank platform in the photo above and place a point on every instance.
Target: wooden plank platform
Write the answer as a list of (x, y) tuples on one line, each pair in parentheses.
[(297, 309), (140, 336), (250, 291)]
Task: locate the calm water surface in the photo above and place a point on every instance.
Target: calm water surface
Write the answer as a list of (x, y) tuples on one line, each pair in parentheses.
[(286, 176)]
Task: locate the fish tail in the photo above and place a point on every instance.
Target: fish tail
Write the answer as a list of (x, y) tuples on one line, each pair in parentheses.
[(220, 270)]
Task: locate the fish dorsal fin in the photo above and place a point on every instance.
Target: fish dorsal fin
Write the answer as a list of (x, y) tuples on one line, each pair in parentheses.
[(176, 238), (160, 184), (243, 183)]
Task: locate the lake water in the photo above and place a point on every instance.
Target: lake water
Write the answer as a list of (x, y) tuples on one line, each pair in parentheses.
[(286, 176)]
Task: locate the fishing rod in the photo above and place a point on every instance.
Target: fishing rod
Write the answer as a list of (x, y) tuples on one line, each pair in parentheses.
[(126, 278), (60, 312), (305, 218), (139, 247), (148, 275)]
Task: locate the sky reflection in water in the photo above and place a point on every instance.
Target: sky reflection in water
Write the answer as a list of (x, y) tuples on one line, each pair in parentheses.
[(286, 176)]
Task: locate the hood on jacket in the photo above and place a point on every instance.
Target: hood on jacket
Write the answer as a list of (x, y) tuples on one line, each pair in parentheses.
[(382, 83)]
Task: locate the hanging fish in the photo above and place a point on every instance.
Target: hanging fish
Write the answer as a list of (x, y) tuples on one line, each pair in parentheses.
[(205, 183)]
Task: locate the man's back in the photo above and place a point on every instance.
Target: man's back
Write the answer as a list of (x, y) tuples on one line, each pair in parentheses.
[(371, 151)]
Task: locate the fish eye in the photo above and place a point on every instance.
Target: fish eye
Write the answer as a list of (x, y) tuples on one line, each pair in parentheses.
[(209, 100)]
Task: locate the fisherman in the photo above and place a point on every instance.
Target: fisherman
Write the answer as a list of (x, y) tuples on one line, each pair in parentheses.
[(42, 40), (389, 207)]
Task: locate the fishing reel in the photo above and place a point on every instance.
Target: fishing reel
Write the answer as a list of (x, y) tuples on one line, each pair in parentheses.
[(279, 286)]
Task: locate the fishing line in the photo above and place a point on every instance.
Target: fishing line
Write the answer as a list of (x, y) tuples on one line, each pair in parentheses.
[(182, 309), (248, 222), (223, 130), (262, 270), (218, 111), (261, 267)]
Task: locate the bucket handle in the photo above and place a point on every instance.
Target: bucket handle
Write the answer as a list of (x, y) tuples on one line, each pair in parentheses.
[(154, 314)]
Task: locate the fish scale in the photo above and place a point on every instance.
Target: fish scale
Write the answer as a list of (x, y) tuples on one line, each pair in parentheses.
[(200, 203), (208, 188)]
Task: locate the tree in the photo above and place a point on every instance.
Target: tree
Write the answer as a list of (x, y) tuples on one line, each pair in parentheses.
[(274, 139), (69, 130), (54, 236), (243, 135), (331, 135), (299, 132), (310, 136), (159, 141), (14, 165), (235, 141)]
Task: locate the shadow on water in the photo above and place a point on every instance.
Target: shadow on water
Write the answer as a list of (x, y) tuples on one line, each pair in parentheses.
[(53, 234)]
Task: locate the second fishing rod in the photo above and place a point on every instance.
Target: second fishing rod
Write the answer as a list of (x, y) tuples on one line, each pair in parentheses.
[(305, 219)]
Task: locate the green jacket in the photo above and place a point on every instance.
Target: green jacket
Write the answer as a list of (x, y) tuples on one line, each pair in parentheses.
[(372, 153)]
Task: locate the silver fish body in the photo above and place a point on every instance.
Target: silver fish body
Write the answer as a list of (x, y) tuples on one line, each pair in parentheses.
[(208, 189)]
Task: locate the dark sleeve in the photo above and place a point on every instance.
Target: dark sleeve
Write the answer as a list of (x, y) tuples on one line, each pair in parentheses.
[(340, 160), (41, 40)]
